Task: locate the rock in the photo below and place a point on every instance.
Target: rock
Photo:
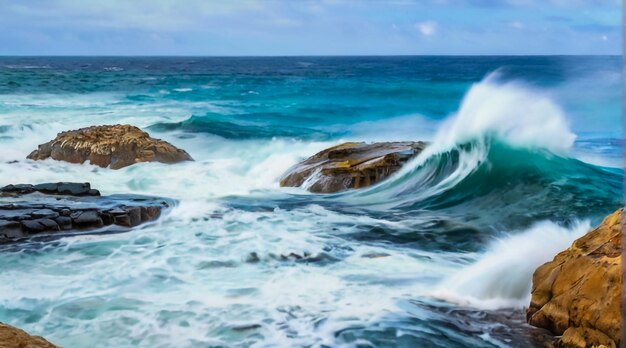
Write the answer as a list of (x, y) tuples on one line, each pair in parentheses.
[(246, 327), (253, 257), (47, 209), (44, 213), (39, 225), (375, 255), (59, 188), (578, 294), (350, 165), (87, 219), (12, 337), (114, 146), (64, 222), (10, 229)]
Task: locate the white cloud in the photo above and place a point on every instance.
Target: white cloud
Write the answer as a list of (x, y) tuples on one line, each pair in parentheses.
[(427, 28), (605, 38), (517, 24)]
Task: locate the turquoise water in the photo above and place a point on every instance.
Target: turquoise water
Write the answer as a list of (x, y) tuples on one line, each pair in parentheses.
[(525, 156)]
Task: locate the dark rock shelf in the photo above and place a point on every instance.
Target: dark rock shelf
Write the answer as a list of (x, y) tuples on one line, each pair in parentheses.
[(59, 209)]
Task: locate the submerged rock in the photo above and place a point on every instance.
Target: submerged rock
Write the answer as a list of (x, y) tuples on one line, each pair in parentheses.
[(12, 337), (350, 165), (65, 208), (578, 294), (114, 146)]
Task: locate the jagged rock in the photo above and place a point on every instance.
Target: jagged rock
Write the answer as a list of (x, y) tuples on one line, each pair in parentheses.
[(12, 337), (578, 294), (350, 165), (49, 209), (114, 146)]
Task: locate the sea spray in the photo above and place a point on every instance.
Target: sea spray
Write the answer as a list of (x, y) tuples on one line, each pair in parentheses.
[(501, 277), (504, 133), (509, 112)]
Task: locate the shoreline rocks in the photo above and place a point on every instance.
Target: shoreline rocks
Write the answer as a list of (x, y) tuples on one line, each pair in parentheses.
[(350, 166), (578, 295), (12, 337), (57, 209), (113, 146)]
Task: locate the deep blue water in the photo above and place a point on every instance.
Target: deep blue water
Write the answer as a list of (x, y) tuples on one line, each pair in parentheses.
[(525, 153)]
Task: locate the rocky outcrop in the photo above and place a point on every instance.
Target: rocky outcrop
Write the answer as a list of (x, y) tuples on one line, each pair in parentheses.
[(12, 337), (578, 294), (115, 146), (65, 208), (350, 166)]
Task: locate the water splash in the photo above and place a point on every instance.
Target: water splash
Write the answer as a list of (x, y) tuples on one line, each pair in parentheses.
[(501, 277)]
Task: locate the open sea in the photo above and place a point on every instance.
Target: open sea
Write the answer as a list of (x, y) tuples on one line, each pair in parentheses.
[(525, 156)]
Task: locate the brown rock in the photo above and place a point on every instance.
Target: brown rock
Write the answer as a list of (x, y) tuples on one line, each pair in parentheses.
[(115, 146), (12, 337), (350, 165), (578, 294)]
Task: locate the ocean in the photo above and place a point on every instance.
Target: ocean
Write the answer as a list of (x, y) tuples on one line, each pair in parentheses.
[(524, 156)]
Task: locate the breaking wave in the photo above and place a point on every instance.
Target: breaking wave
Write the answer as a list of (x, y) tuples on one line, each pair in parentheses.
[(505, 150)]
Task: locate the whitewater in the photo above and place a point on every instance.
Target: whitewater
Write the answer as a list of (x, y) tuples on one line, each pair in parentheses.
[(513, 173)]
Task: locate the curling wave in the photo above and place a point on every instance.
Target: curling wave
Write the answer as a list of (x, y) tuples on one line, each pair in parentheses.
[(505, 150)]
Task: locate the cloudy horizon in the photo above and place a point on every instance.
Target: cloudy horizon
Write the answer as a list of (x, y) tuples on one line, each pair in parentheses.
[(310, 27)]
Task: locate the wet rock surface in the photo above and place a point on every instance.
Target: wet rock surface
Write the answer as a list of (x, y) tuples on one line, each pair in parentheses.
[(578, 295), (66, 208), (12, 337), (114, 146), (351, 166), (60, 188)]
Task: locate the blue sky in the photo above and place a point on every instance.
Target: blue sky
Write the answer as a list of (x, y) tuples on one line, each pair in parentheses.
[(309, 27)]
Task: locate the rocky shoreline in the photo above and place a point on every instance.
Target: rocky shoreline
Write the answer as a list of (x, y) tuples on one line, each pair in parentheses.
[(58, 209), (576, 296), (52, 210)]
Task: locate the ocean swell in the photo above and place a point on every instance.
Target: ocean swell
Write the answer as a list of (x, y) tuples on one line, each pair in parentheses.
[(232, 130), (504, 151)]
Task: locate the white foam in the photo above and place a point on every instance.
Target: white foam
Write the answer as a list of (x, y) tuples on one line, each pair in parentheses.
[(501, 277), (509, 111)]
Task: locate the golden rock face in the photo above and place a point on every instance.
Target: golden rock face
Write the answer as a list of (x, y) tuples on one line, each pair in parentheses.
[(114, 146), (350, 166), (12, 337), (578, 294)]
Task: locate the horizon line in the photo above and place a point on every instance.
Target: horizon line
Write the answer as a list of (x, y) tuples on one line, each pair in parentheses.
[(300, 55)]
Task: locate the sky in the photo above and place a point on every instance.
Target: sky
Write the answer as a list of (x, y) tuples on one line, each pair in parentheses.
[(309, 27)]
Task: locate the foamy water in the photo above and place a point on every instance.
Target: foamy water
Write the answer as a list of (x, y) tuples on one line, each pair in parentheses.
[(462, 226)]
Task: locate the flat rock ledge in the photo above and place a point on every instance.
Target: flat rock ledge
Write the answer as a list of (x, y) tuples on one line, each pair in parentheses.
[(114, 146), (58, 209), (578, 295), (12, 337), (350, 166)]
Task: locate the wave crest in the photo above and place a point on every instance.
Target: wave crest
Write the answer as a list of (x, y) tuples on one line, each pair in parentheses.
[(503, 151), (510, 112)]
